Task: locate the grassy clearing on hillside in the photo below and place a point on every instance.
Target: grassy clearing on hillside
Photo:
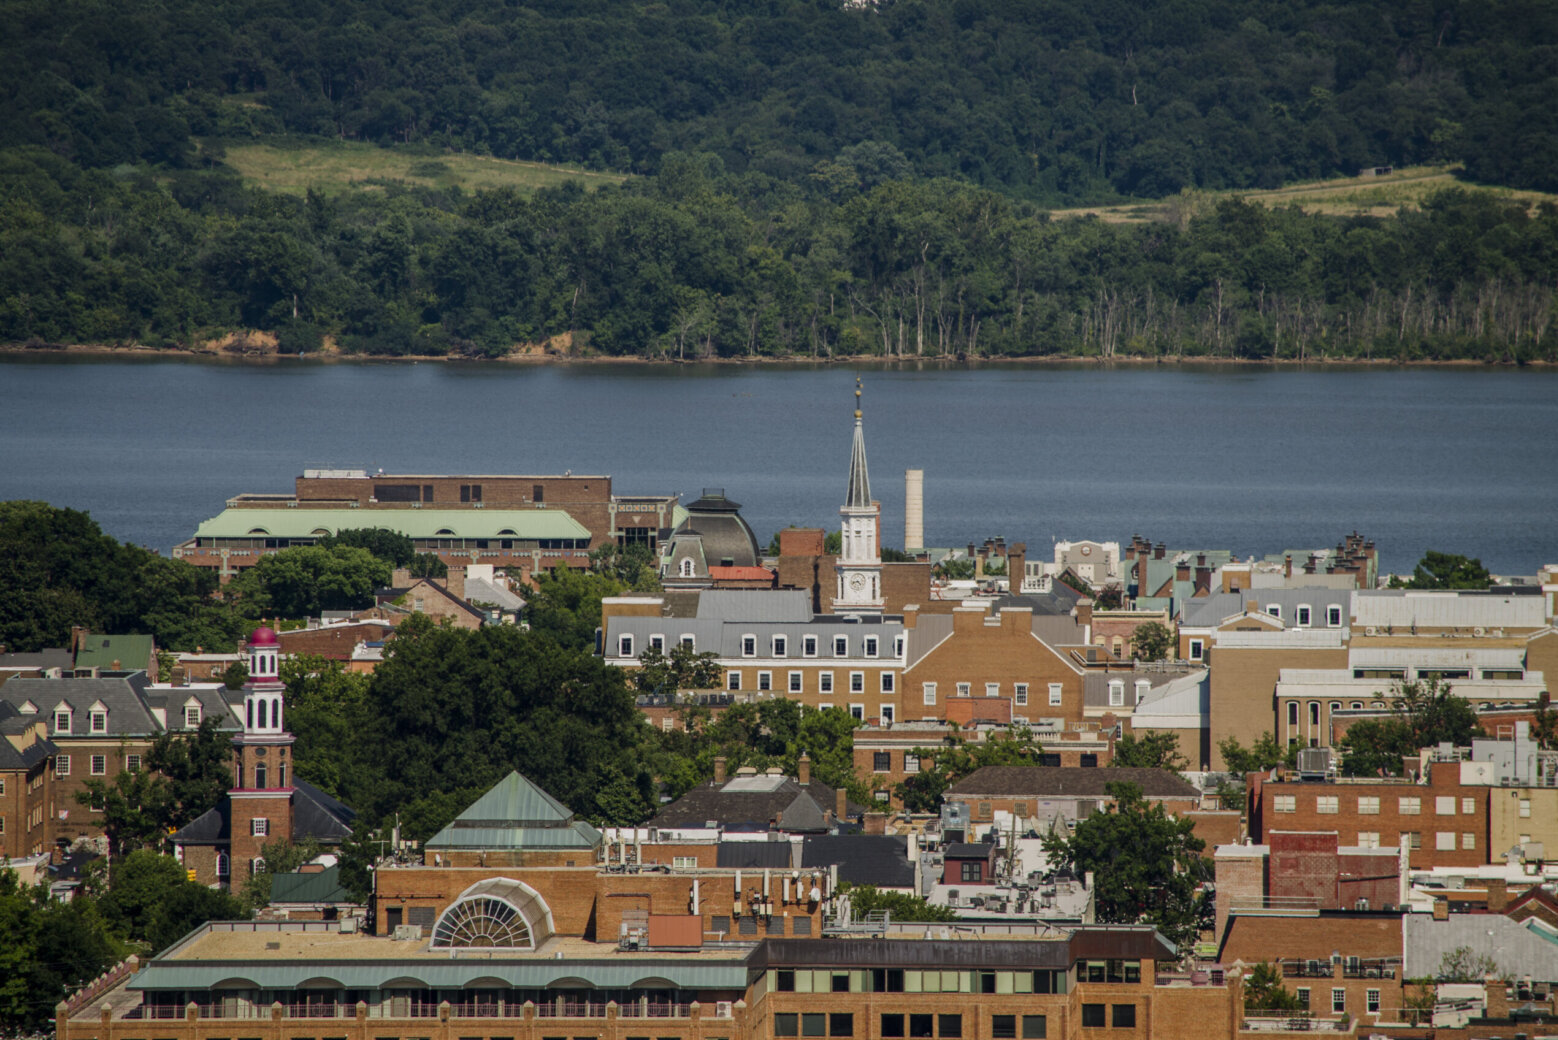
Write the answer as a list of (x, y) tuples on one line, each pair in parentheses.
[(1343, 197), (294, 166)]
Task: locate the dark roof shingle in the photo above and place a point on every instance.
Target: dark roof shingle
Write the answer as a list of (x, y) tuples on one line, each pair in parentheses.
[(1071, 781)]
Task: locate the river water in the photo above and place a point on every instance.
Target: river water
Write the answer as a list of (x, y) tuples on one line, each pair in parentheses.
[(1252, 459)]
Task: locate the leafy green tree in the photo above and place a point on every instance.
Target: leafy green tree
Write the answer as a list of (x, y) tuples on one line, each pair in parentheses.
[(1146, 865), (183, 776), (150, 899), (302, 581), (1438, 570), (1262, 756), (1152, 641), (1263, 990), (282, 856), (1424, 712), (566, 605), (1463, 964), (867, 899), (393, 546), (955, 570), (235, 675), (48, 949), (634, 566), (1150, 750), (942, 767), (427, 565), (681, 669)]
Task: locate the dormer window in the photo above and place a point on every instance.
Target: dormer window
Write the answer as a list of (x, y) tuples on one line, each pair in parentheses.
[(1333, 616), (1116, 693), (1275, 610), (840, 646), (749, 646), (97, 721), (809, 646), (191, 716), (62, 720), (624, 646), (1302, 615), (1142, 688), (781, 646), (871, 645), (687, 568)]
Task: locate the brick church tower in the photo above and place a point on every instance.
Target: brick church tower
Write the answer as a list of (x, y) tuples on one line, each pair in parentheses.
[(261, 797)]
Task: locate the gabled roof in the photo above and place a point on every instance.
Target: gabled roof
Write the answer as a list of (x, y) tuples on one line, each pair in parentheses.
[(1070, 781), (752, 802), (320, 886), (516, 814), (124, 696), (314, 815), (132, 652), (12, 723)]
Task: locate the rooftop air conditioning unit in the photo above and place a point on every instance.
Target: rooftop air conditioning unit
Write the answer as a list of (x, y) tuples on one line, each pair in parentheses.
[(723, 1009), (405, 932), (1479, 631), (1371, 630)]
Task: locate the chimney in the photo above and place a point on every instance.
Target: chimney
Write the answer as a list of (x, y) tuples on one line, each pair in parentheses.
[(1288, 565), (841, 805), (1016, 567), (803, 769), (1182, 569), (1159, 551), (116, 665), (875, 823), (1498, 895), (78, 635), (1084, 611), (719, 769), (913, 510), (1441, 909)]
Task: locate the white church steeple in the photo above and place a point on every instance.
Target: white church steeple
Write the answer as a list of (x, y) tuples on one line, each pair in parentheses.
[(860, 557)]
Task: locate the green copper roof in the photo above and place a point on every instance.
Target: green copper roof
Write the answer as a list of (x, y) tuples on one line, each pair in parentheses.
[(322, 886), (414, 523), (132, 652), (516, 814)]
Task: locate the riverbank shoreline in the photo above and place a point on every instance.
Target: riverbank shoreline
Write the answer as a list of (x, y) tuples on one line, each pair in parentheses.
[(540, 358)]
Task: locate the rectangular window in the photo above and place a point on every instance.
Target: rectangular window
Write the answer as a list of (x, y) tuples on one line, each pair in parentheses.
[(1444, 805), (930, 692), (1275, 610), (781, 646), (721, 924), (1412, 839), (1525, 808), (1197, 649), (1368, 806), (1303, 617), (1035, 1027), (898, 646), (814, 1023), (1468, 840), (911, 762), (1302, 993), (971, 870), (62, 722), (949, 1027), (871, 645), (625, 646), (809, 646), (1116, 693), (857, 682), (1409, 806), (887, 682), (684, 862), (1122, 1016), (1368, 839), (983, 811), (1020, 696), (657, 643), (892, 1026), (1054, 694), (192, 716), (992, 689), (824, 682), (765, 680), (259, 827), (62, 765), (887, 714), (787, 1025), (1372, 1001), (921, 1027), (857, 711), (1468, 806), (964, 689), (1093, 1016), (1333, 616), (690, 642), (732, 680), (841, 1024), (748, 646), (99, 766), (1327, 804), (840, 646), (1338, 1000), (1003, 1027), (97, 722), (881, 761), (1284, 803), (795, 682)]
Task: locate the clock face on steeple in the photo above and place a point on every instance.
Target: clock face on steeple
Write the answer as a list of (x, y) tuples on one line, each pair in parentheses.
[(857, 582)]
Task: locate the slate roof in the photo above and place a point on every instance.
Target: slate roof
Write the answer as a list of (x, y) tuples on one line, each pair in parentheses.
[(969, 850), (13, 722), (777, 606), (1070, 781), (320, 886), (753, 801), (314, 815), (756, 855), (1521, 948), (43, 659), (516, 814), (123, 696), (216, 701), (131, 651), (863, 859)]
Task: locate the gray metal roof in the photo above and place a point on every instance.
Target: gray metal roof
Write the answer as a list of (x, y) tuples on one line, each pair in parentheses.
[(724, 638), (1518, 948), (785, 606), (1212, 610), (1402, 608)]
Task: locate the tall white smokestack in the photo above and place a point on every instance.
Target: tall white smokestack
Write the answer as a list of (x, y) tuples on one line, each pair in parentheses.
[(913, 510)]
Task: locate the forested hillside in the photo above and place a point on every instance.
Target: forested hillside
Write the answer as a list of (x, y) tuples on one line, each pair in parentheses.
[(810, 179)]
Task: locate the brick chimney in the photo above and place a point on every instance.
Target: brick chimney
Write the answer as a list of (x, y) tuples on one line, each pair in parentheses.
[(875, 823), (840, 805), (1016, 565), (803, 769), (1498, 895), (1084, 611), (1287, 565), (1441, 909), (719, 770), (1159, 551)]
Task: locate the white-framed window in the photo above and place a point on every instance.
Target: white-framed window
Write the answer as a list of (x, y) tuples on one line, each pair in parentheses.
[(1444, 841), (191, 716), (929, 690), (1116, 693), (1468, 841), (1301, 615), (97, 721), (1197, 649), (1275, 610), (809, 646), (1328, 804), (858, 711), (887, 682), (1368, 805), (824, 705), (1368, 839), (1444, 805), (992, 689), (871, 646), (624, 646), (732, 680), (857, 682), (964, 689), (840, 646), (1409, 806), (257, 865), (898, 646), (686, 568), (657, 642), (224, 865), (911, 762), (1143, 687), (1293, 714), (795, 682), (62, 720), (1302, 993), (1371, 1001), (1020, 694), (1412, 839), (824, 682), (688, 640), (259, 827), (781, 646), (887, 714), (1338, 1000), (132, 764), (749, 645), (61, 765), (1055, 690), (1284, 803), (1525, 808), (1333, 616), (1468, 806), (684, 862), (98, 765), (765, 680)]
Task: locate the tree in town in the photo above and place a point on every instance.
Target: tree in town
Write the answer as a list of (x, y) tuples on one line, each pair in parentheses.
[(183, 775), (1146, 864), (1463, 964), (566, 605), (280, 856), (149, 898), (1149, 750), (1152, 641), (867, 899), (682, 668), (389, 545), (1263, 990), (304, 580), (1439, 570), (48, 949), (1261, 757), (235, 675), (634, 566), (941, 767), (1424, 712)]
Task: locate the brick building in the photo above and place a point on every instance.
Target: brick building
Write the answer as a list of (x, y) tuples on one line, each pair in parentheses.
[(1439, 820), (1337, 962), (1306, 871), (27, 812), (1041, 794)]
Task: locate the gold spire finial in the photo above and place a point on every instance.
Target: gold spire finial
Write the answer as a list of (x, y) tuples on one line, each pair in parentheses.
[(857, 397)]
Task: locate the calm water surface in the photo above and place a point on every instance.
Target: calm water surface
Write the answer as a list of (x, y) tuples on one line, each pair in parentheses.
[(1251, 459)]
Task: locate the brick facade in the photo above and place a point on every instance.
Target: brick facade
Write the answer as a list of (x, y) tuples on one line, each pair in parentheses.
[(999, 651)]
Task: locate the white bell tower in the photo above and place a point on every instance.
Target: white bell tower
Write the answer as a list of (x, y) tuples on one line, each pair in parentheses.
[(860, 558)]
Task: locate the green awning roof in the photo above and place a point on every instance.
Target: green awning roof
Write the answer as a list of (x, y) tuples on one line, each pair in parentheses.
[(441, 973), (414, 523)]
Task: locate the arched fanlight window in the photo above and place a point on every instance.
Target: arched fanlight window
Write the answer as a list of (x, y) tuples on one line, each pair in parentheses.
[(499, 913)]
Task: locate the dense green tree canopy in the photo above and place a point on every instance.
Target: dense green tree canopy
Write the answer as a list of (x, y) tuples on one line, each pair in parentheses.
[(1439, 570), (1149, 751), (1423, 713), (304, 580)]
